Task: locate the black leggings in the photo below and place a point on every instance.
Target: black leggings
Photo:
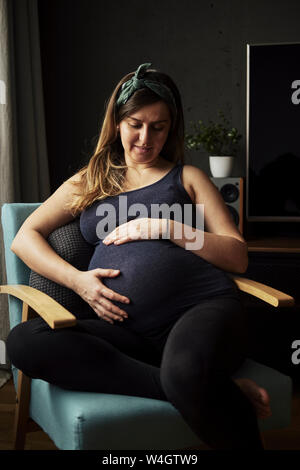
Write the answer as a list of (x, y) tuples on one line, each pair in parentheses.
[(190, 365)]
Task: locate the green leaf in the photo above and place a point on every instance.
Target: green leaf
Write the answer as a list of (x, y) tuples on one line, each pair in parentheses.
[(214, 137)]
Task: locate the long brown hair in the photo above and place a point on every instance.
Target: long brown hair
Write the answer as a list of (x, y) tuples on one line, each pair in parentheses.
[(104, 175)]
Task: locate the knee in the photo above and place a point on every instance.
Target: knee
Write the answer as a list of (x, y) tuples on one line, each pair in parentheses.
[(22, 346)]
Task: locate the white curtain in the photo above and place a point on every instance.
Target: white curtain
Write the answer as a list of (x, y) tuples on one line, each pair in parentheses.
[(24, 175)]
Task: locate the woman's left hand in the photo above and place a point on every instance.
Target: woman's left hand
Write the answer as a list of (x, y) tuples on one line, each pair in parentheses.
[(138, 229)]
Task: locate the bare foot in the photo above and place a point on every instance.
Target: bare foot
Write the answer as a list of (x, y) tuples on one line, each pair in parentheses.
[(258, 396)]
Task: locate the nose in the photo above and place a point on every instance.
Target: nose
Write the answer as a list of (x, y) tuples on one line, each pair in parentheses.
[(145, 135)]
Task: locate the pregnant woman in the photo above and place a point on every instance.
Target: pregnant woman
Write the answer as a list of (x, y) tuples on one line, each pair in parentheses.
[(163, 319)]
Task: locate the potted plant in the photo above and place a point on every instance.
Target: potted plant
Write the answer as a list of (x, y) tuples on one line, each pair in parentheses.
[(219, 139)]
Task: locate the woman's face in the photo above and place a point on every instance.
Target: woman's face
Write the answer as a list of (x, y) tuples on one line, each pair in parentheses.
[(144, 133)]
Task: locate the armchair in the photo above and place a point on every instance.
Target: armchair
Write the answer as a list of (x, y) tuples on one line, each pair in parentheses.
[(81, 420)]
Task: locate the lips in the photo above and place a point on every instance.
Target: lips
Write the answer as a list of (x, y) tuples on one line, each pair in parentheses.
[(143, 149)]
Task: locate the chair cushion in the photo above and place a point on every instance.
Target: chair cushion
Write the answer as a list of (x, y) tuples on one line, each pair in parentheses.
[(68, 243)]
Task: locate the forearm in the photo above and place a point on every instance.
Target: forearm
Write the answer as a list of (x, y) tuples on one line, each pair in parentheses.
[(32, 248), (227, 253)]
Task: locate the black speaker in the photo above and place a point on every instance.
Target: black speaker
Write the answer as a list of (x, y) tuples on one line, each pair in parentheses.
[(232, 191)]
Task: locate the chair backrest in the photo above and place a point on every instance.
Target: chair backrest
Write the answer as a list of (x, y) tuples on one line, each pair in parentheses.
[(12, 217)]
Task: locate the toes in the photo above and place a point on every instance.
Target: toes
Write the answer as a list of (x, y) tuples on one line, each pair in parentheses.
[(264, 396), (258, 396)]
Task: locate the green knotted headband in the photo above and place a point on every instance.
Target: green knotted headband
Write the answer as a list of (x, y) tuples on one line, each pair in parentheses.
[(138, 81)]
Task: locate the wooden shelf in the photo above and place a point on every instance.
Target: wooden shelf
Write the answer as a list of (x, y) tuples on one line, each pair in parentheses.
[(274, 245)]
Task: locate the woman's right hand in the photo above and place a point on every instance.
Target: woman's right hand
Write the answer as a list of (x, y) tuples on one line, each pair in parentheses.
[(89, 286)]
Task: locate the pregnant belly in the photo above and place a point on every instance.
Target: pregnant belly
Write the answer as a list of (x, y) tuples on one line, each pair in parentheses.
[(146, 269), (161, 279), (152, 274)]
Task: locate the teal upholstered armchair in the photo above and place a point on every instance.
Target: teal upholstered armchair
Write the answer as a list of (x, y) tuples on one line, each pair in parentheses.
[(81, 420)]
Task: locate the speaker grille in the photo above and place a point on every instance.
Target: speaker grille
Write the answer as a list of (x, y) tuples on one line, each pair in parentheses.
[(234, 213), (231, 190)]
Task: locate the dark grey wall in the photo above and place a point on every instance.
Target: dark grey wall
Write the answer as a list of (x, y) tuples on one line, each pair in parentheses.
[(88, 45)]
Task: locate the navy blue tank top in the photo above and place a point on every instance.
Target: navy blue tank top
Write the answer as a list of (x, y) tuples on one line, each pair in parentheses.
[(161, 279)]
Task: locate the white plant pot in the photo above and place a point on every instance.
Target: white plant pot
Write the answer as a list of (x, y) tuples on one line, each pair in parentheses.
[(221, 166)]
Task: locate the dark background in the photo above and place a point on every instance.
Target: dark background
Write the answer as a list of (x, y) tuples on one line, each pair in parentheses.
[(88, 45), (274, 150)]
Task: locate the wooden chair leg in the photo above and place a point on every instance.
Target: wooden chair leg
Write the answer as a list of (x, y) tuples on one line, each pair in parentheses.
[(22, 411), (23, 423)]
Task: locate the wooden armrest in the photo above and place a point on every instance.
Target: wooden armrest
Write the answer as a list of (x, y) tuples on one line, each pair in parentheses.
[(51, 311), (263, 292)]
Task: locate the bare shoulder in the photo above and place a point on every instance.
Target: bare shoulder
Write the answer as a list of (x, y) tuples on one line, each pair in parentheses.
[(54, 211), (74, 179), (194, 172), (196, 183)]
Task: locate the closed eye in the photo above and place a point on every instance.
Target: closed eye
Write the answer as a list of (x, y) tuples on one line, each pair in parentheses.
[(154, 128)]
